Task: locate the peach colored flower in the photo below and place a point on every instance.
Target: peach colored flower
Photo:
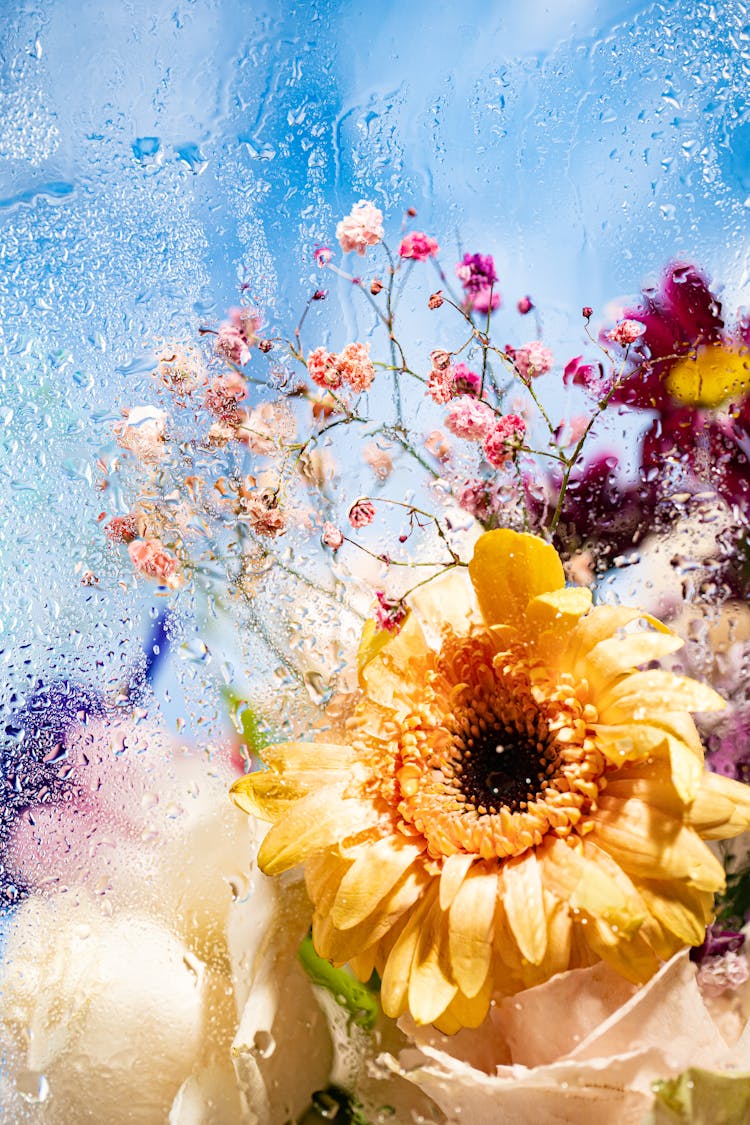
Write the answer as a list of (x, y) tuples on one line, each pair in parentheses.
[(379, 460), (142, 433), (418, 246), (332, 536), (151, 558), (361, 513), (469, 418), (355, 367), (361, 228), (323, 368), (534, 359)]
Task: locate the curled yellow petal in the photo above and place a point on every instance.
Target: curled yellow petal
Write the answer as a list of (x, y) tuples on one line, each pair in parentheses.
[(508, 570)]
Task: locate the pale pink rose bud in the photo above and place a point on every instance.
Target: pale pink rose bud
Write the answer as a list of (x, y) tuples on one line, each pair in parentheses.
[(626, 332), (440, 358), (525, 305), (376, 286), (332, 536), (361, 513), (534, 359), (469, 418), (436, 300), (265, 345), (361, 228), (150, 558), (587, 312)]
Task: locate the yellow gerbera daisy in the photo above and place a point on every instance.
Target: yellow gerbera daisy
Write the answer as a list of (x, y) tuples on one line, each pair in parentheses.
[(511, 797)]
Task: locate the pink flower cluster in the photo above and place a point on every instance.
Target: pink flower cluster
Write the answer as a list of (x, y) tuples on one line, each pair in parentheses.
[(418, 246), (533, 359), (469, 418), (505, 436), (447, 381), (478, 497), (390, 613), (626, 332), (352, 365), (361, 228), (238, 334), (150, 558), (476, 272), (223, 394)]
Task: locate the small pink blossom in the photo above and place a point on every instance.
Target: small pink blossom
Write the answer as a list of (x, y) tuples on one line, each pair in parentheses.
[(361, 228), (121, 529), (438, 445), (390, 613), (440, 385), (332, 536), (436, 300), (478, 497), (223, 394), (477, 275), (525, 305), (466, 382), (571, 432), (534, 359), (418, 246), (722, 973), (361, 513), (231, 345), (626, 332), (150, 558), (587, 312), (376, 286), (323, 368), (469, 418), (322, 255), (142, 433), (503, 438), (355, 367), (261, 510), (440, 358)]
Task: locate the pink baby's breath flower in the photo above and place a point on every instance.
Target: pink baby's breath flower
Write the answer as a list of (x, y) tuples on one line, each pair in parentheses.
[(505, 436), (121, 529), (534, 359), (151, 558), (361, 513), (332, 536), (440, 358), (323, 368), (390, 613), (322, 255), (361, 228), (478, 497), (587, 312), (223, 393), (418, 246), (466, 382), (231, 344), (142, 433), (356, 367), (261, 510), (626, 332), (525, 305), (469, 418), (440, 386)]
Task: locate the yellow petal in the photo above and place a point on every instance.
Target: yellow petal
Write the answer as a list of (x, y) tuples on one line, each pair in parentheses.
[(464, 1011), (668, 777), (294, 759), (523, 900), (709, 376), (721, 808), (681, 909), (316, 822), (376, 869), (265, 794), (551, 616), (577, 878), (633, 958), (371, 642), (392, 676), (649, 844), (448, 602), (644, 694), (431, 984), (341, 945), (602, 622), (471, 924), (616, 656), (508, 570), (452, 876)]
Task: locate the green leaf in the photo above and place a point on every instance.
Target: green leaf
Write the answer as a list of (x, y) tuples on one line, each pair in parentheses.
[(703, 1097)]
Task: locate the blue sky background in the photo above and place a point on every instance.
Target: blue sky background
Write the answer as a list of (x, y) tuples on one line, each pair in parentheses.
[(156, 154)]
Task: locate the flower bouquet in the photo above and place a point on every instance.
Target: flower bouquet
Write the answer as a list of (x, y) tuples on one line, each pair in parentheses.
[(489, 762)]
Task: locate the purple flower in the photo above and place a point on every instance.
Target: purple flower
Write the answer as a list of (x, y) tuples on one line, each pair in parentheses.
[(477, 275)]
